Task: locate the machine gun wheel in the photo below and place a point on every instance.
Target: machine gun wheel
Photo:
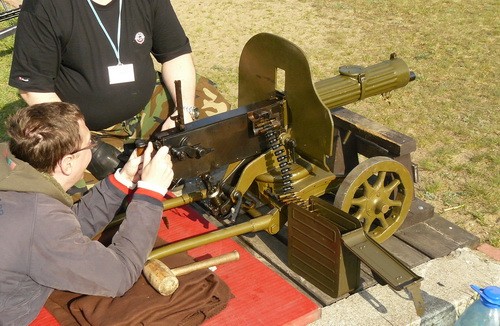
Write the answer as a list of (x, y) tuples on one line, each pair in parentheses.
[(378, 192)]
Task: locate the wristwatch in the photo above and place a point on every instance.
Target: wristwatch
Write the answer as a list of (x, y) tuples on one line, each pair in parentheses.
[(193, 111)]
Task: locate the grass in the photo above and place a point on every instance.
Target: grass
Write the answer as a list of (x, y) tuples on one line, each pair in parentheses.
[(452, 109), (9, 100)]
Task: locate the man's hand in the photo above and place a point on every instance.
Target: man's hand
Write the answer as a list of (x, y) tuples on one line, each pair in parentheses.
[(132, 169), (157, 169)]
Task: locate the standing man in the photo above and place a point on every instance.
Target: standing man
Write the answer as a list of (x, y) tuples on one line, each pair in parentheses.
[(45, 238), (96, 54)]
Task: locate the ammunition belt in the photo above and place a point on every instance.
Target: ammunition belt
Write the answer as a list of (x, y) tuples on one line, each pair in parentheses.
[(286, 194)]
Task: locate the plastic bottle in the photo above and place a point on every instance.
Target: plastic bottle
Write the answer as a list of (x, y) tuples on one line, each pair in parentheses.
[(485, 311)]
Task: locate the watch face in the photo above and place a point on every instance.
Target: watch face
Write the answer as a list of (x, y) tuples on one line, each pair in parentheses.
[(194, 112)]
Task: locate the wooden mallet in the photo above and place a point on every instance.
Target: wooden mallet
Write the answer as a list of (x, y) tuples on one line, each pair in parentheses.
[(164, 279)]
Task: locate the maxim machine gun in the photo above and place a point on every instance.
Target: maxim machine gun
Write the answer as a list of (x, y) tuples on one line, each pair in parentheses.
[(292, 157)]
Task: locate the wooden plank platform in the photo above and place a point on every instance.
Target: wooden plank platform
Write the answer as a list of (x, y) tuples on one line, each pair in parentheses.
[(372, 133), (437, 237)]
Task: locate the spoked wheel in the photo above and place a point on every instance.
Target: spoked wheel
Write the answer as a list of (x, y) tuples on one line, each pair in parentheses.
[(378, 192)]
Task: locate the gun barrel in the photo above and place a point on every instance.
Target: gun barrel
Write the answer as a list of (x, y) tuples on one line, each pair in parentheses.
[(355, 83)]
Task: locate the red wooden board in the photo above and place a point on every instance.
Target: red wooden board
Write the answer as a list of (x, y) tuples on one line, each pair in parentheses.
[(261, 296)]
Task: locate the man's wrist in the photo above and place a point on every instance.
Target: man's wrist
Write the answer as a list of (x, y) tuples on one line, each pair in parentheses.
[(152, 187), (124, 180)]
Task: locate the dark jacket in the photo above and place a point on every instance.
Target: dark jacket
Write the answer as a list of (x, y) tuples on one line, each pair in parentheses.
[(45, 239)]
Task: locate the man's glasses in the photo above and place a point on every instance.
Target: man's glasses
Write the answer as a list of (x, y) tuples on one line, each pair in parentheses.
[(93, 143)]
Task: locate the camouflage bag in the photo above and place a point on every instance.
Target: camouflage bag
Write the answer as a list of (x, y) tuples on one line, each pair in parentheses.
[(208, 100)]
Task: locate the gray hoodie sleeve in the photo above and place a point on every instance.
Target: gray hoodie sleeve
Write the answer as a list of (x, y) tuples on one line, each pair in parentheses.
[(62, 257), (99, 205)]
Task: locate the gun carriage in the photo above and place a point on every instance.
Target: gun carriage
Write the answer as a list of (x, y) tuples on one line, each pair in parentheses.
[(295, 158)]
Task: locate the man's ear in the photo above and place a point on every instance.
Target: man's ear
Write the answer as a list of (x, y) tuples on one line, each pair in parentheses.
[(66, 164)]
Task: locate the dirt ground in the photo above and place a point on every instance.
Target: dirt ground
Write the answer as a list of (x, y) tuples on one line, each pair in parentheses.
[(218, 31)]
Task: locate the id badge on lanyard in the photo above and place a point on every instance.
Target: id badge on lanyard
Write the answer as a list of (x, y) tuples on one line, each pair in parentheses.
[(121, 73)]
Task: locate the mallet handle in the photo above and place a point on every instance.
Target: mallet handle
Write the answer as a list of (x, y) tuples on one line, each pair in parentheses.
[(164, 280), (225, 258)]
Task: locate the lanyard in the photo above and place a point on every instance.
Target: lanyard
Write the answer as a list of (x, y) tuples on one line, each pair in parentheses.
[(116, 48)]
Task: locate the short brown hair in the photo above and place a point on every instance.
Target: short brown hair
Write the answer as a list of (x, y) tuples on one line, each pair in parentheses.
[(42, 134)]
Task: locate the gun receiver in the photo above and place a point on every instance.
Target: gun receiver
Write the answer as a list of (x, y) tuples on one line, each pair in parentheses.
[(216, 141)]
